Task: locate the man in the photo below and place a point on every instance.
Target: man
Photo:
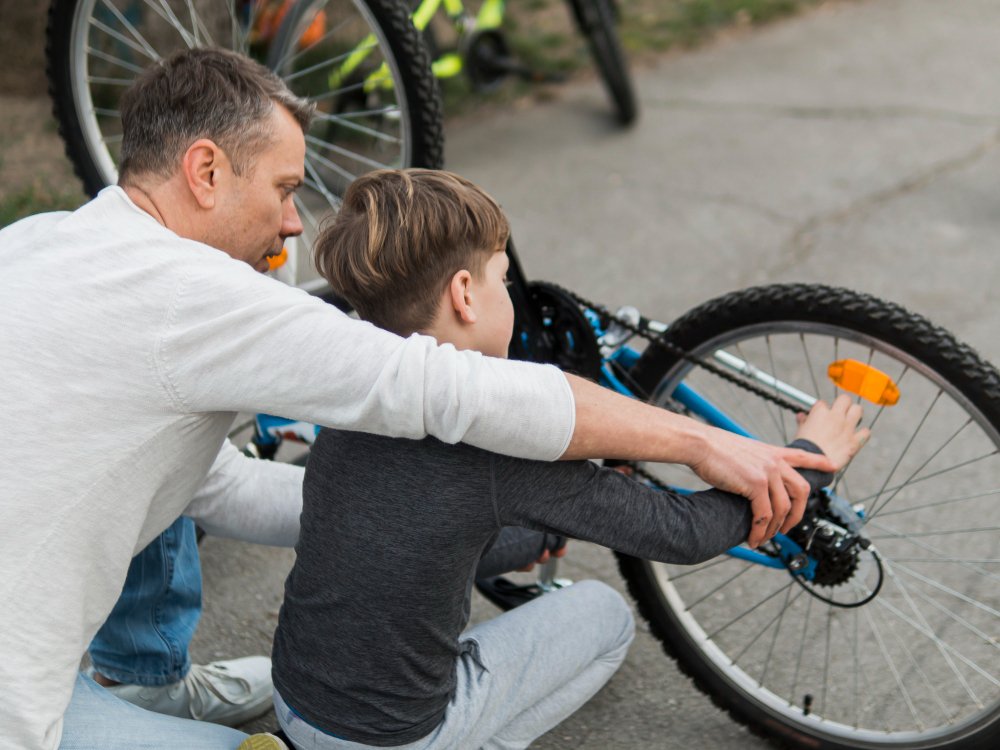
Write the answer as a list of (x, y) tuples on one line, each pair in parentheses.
[(137, 325)]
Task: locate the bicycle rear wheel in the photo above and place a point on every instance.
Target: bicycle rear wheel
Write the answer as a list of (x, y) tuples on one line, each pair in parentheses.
[(360, 61), (897, 646), (596, 20)]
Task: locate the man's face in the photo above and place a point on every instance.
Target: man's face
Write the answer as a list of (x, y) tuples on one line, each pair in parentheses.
[(257, 212)]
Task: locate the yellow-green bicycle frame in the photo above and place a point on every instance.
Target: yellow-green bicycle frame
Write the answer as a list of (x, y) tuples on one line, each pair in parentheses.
[(449, 65)]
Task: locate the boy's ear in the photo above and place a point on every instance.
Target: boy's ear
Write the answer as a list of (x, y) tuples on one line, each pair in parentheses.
[(460, 295)]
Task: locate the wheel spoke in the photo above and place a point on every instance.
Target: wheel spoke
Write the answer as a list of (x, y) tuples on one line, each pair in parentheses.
[(290, 58), (949, 590), (774, 639), (936, 503), (748, 610), (914, 540), (349, 88), (748, 566), (711, 564), (922, 466), (772, 409), (906, 448), (360, 158), (809, 363), (139, 44), (938, 641), (904, 590), (332, 61), (163, 11), (355, 127), (941, 472), (774, 372), (317, 185), (802, 648), (117, 61), (892, 668)]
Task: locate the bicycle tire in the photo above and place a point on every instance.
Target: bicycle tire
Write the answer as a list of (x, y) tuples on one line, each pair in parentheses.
[(917, 665), (94, 48), (596, 20)]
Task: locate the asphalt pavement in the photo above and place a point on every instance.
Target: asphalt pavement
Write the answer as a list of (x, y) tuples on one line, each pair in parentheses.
[(856, 145)]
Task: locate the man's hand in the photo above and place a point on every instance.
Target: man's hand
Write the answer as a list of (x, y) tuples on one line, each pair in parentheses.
[(762, 473), (834, 429)]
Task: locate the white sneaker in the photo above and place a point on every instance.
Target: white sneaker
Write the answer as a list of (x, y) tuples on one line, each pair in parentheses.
[(223, 692)]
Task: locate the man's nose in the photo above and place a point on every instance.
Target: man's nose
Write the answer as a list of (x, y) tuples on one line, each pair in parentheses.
[(291, 224)]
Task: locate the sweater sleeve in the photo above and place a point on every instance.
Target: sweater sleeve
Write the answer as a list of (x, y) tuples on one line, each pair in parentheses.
[(249, 499), (237, 341), (599, 505)]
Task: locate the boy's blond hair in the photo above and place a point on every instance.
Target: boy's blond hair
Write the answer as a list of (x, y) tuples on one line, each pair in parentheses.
[(399, 238)]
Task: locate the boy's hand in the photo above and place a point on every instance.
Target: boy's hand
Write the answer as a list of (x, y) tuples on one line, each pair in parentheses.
[(544, 558), (834, 429)]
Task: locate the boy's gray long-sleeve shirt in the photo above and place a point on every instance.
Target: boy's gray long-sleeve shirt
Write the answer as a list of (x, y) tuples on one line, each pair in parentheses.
[(391, 533)]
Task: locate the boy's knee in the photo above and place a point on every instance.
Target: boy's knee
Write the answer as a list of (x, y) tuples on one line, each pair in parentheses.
[(606, 604)]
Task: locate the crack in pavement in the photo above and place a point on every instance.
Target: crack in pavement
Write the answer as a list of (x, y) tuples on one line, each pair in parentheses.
[(802, 241), (818, 112)]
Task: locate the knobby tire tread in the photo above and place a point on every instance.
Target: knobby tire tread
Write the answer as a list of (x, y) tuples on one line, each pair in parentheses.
[(422, 90), (605, 47), (961, 365)]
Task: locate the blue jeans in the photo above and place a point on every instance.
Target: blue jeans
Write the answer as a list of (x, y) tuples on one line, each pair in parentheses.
[(97, 719), (146, 637)]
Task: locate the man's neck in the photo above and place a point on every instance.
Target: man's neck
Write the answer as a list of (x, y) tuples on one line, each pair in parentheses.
[(144, 200)]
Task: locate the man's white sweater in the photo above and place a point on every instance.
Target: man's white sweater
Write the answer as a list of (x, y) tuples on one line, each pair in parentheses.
[(124, 353)]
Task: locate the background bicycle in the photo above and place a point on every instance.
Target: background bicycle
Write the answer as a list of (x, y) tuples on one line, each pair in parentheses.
[(480, 50), (95, 48)]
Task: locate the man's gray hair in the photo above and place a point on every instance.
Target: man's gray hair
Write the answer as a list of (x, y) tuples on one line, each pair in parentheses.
[(201, 93)]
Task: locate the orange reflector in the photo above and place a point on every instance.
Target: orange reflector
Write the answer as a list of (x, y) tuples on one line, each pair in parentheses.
[(277, 261), (864, 380)]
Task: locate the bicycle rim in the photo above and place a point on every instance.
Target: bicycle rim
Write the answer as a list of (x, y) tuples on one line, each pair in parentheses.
[(340, 54), (916, 666)]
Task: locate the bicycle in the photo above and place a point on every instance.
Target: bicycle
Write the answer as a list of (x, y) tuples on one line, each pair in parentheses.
[(96, 48), (872, 624), (483, 54)]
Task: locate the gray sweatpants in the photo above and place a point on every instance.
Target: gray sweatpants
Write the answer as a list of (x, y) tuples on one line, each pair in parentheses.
[(519, 674)]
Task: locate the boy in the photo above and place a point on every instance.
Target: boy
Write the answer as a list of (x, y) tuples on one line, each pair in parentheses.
[(374, 655)]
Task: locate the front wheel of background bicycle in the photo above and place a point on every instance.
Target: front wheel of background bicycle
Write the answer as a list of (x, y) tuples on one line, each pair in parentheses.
[(918, 665), (597, 22), (360, 61)]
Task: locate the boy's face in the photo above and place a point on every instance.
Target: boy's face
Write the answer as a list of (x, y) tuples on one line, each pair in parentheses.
[(494, 310)]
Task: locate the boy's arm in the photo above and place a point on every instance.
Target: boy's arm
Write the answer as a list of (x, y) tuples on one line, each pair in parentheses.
[(609, 425), (604, 506)]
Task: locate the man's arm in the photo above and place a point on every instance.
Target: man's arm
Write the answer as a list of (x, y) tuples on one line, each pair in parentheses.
[(609, 425), (249, 499)]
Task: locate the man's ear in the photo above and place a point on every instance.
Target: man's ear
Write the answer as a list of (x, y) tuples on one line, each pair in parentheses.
[(201, 166), (460, 294)]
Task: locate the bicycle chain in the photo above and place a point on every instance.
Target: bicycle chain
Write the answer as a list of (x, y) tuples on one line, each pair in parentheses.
[(658, 340)]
